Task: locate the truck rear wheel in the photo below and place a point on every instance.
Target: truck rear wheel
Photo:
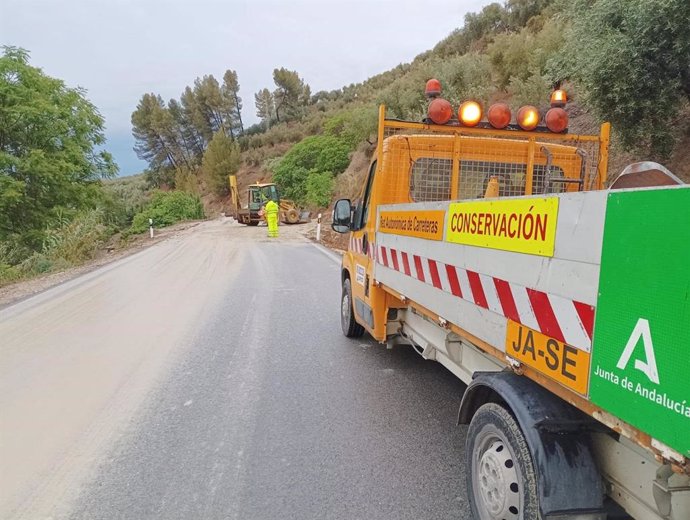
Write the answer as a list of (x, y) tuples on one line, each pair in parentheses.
[(501, 483), (350, 327)]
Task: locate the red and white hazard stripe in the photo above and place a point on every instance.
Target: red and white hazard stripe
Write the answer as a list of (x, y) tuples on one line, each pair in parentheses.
[(566, 320), (356, 246)]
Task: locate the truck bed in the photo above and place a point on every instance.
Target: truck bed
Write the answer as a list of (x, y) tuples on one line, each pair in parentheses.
[(591, 291)]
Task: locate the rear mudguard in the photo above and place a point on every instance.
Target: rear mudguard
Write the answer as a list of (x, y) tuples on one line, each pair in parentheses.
[(569, 482)]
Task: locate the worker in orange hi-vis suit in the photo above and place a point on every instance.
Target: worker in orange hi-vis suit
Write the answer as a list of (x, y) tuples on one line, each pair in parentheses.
[(272, 218)]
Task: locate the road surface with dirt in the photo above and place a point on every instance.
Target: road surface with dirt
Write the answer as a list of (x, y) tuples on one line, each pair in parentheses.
[(207, 377)]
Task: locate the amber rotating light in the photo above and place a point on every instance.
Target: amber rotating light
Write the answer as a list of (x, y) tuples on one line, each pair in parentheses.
[(470, 113), (558, 98), (440, 111), (499, 115), (528, 117), (556, 120), (433, 88)]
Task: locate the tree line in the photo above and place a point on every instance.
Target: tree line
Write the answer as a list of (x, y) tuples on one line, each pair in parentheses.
[(59, 204), (202, 128), (174, 135)]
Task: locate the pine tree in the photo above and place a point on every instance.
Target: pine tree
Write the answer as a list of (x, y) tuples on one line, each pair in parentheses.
[(222, 158), (209, 102), (288, 94), (191, 115), (264, 106), (151, 124), (232, 101)]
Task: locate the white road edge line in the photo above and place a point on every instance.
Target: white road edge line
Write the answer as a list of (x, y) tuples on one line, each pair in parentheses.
[(335, 257)]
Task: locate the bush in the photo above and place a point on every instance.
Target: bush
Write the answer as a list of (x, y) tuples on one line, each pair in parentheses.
[(466, 77), (319, 188), (520, 55), (68, 243), (75, 241), (9, 274), (41, 263), (631, 57), (321, 154), (187, 180), (353, 126), (535, 90), (124, 198), (166, 209)]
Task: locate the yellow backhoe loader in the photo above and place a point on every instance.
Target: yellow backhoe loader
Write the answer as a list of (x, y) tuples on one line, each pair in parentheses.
[(257, 195)]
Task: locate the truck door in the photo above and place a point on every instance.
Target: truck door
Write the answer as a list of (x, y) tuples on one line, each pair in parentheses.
[(363, 251)]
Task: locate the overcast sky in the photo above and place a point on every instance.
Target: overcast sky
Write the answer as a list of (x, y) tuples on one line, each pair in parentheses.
[(119, 49)]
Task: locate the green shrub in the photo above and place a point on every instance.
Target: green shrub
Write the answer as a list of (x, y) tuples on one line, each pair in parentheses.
[(69, 242), (168, 208), (465, 77), (123, 198), (9, 274), (535, 90), (631, 58), (353, 126), (74, 241), (13, 250), (520, 55), (37, 264), (321, 153), (187, 180), (319, 187), (292, 181)]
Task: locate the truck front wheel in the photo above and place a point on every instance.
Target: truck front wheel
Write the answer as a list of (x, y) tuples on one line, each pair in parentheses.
[(501, 483), (350, 327)]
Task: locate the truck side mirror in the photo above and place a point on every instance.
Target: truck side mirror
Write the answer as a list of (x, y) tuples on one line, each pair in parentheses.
[(342, 216)]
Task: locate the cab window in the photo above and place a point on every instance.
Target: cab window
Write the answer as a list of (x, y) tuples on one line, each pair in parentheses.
[(430, 179), (475, 175)]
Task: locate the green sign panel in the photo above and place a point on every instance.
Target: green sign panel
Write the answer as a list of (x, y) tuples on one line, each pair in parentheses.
[(640, 368)]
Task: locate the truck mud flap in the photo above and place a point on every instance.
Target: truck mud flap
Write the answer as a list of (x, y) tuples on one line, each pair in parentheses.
[(364, 312)]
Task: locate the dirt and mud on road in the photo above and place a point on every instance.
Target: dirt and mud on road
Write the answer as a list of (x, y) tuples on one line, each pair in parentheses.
[(77, 359), (17, 291)]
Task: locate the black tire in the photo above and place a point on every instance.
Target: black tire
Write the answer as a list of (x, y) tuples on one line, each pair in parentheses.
[(349, 324), (253, 223), (501, 482)]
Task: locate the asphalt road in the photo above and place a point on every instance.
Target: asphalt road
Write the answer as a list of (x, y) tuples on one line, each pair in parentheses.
[(207, 377)]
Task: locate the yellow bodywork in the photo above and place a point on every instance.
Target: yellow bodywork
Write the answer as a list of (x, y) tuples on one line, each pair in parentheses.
[(416, 162)]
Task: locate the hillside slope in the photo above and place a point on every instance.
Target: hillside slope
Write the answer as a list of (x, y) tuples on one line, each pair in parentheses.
[(515, 53)]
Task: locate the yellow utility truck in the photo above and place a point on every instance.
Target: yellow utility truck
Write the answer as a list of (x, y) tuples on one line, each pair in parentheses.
[(560, 296)]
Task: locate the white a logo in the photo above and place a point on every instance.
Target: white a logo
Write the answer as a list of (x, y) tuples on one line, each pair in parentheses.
[(649, 367)]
